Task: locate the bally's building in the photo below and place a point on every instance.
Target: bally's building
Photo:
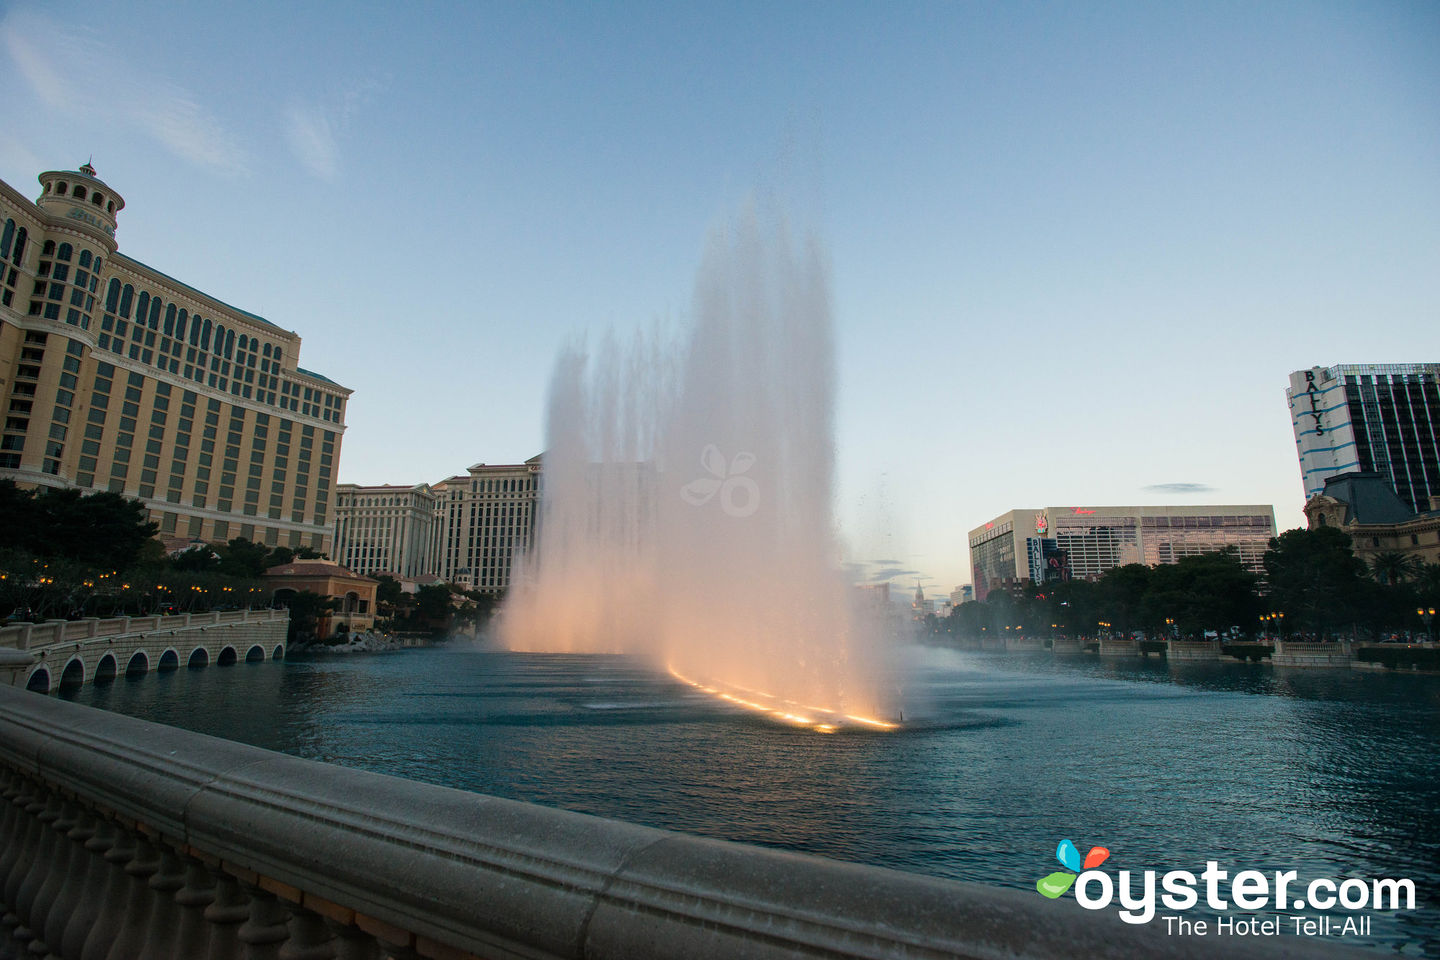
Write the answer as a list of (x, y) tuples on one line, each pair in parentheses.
[(115, 376), (1379, 418), (1083, 543)]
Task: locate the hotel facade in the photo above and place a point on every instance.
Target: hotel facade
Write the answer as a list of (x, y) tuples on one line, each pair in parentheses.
[(1371, 418), (467, 529), (117, 377), (1083, 543)]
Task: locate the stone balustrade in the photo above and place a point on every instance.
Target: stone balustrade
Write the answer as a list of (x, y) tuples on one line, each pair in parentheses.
[(123, 839), (28, 636)]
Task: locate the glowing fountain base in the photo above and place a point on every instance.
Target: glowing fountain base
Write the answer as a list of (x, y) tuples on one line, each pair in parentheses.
[(818, 719)]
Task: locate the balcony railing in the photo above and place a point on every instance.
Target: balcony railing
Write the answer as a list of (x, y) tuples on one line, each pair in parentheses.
[(125, 839)]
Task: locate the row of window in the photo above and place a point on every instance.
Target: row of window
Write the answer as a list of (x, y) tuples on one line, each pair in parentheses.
[(78, 192)]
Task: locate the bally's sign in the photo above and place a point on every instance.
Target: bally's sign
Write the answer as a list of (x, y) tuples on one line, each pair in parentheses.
[(1313, 392), (77, 214)]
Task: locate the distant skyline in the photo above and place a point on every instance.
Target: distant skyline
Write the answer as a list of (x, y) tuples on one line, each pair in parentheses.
[(1076, 250)]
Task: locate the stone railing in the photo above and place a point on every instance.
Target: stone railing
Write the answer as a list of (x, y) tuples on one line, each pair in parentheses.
[(28, 636), (126, 839)]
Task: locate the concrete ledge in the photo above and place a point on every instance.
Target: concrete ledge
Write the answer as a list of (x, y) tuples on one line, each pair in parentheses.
[(1192, 650), (1301, 653), (457, 871)]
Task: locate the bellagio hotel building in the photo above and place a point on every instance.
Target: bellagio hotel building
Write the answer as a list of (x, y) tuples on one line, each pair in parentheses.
[(114, 376)]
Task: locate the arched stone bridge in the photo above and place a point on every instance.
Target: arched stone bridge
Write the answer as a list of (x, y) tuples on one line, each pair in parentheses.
[(46, 656)]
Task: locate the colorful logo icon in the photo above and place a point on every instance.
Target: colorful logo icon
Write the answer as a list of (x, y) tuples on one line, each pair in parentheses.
[(1058, 882)]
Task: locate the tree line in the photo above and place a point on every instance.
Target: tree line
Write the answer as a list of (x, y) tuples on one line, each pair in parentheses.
[(1313, 586), (64, 555)]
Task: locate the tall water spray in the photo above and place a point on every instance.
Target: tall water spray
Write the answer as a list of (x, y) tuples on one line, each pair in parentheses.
[(686, 511)]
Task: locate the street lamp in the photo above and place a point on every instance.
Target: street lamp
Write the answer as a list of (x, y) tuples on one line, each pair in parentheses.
[(1170, 626), (1427, 615)]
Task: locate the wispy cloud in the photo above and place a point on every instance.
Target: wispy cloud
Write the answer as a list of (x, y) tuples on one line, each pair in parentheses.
[(1179, 488), (316, 129), (60, 64)]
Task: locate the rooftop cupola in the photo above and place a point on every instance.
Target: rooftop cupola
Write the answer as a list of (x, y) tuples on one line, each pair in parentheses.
[(82, 200)]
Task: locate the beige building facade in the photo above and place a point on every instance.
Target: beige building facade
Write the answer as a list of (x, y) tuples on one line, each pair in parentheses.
[(1363, 505), (385, 529), (467, 529), (114, 376), (352, 596), (484, 520)]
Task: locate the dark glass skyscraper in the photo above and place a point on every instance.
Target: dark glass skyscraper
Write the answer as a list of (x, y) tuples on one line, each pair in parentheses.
[(1369, 417)]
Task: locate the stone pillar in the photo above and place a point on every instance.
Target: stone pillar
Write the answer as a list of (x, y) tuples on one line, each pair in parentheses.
[(266, 928), (113, 897), (139, 900), (92, 890), (192, 933), (164, 883), (230, 908), (60, 850), (67, 897), (352, 943), (310, 938), (29, 843)]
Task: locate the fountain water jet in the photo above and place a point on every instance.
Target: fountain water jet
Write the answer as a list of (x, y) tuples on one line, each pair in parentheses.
[(686, 511)]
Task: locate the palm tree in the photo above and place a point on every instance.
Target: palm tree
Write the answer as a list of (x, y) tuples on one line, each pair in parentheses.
[(1427, 580), (1392, 567)]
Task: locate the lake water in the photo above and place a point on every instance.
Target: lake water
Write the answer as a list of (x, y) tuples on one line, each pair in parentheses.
[(1332, 773)]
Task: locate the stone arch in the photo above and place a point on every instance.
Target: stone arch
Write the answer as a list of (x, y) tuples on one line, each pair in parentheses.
[(255, 654), (199, 657), (106, 668), (139, 664), (74, 673), (227, 657), (278, 653), (39, 681), (169, 660)]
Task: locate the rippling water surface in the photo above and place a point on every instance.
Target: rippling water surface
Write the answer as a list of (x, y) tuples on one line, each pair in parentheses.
[(1329, 772)]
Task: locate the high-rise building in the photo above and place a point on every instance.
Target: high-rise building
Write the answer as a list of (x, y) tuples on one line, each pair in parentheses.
[(484, 520), (385, 529), (1373, 417), (1083, 543), (467, 529), (117, 377)]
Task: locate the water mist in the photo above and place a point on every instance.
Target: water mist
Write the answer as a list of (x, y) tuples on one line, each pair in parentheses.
[(686, 512)]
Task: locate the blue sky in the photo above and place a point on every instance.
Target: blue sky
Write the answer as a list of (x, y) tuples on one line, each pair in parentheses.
[(1076, 248)]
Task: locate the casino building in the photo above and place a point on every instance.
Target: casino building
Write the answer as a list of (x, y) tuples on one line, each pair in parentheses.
[(1083, 543), (114, 376), (467, 529), (1379, 418)]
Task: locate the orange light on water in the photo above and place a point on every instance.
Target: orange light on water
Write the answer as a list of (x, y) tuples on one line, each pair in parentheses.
[(784, 711)]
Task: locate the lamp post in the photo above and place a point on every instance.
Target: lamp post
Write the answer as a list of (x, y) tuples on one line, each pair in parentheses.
[(1170, 626), (1427, 616)]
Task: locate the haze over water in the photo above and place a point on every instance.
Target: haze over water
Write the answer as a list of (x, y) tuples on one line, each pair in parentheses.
[(687, 506)]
